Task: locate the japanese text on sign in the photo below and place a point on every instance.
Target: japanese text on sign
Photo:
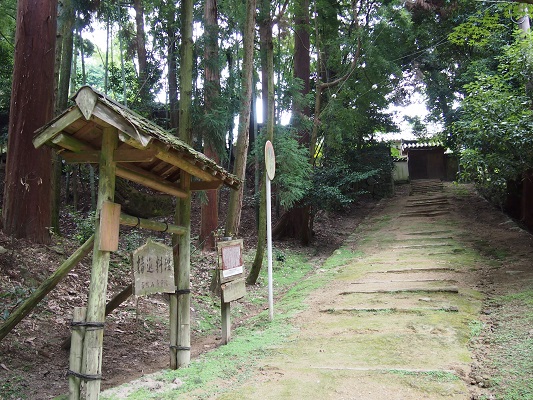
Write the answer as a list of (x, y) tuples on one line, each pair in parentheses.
[(230, 259), (153, 269)]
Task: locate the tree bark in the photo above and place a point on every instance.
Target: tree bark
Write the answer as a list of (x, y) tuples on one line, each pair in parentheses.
[(209, 218), (141, 50), (172, 69), (233, 218), (27, 192)]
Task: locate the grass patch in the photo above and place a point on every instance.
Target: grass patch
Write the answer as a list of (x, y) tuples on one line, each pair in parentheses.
[(439, 376), (489, 250), (219, 370), (341, 257), (512, 358), (476, 327)]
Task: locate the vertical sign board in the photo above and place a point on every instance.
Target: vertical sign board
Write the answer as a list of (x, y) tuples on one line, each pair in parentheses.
[(153, 269), (230, 262), (231, 270)]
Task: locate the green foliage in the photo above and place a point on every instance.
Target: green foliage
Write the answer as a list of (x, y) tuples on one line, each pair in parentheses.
[(7, 50), (476, 327), (293, 171), (418, 128), (335, 186), (495, 124), (84, 225), (350, 172), (478, 30)]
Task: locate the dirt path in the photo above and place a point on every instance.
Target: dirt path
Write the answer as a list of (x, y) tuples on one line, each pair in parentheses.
[(418, 303), (398, 319)]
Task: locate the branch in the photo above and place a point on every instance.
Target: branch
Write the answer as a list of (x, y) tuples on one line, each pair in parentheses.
[(282, 12), (353, 64), (7, 40)]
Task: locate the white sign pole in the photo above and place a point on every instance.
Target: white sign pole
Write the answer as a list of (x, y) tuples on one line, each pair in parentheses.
[(269, 250), (270, 163)]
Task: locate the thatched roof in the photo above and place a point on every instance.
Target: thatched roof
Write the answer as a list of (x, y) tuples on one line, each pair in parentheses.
[(146, 152)]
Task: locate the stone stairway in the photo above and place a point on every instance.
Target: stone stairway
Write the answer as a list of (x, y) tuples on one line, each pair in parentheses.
[(393, 324)]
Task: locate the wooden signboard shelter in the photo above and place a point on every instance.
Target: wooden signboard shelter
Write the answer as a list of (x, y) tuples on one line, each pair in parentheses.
[(101, 131)]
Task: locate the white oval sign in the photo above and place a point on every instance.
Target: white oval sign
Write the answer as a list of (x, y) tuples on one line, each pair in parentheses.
[(270, 160)]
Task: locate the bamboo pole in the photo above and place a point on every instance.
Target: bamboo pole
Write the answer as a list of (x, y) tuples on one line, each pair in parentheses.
[(116, 301), (92, 346), (180, 303), (46, 286), (76, 345)]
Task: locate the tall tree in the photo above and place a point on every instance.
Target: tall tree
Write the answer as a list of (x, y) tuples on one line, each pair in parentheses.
[(142, 59), (171, 30), (209, 219), (64, 53), (241, 148), (296, 222), (267, 67), (26, 208)]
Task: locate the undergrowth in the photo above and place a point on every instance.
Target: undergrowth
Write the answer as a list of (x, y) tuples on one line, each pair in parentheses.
[(513, 355)]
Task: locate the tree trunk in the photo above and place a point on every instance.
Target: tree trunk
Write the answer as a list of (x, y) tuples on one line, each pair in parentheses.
[(141, 50), (27, 194), (65, 50), (268, 78), (68, 18), (209, 219), (172, 70), (233, 218), (296, 221)]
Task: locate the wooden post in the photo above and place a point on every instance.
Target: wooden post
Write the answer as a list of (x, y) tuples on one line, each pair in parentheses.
[(180, 303), (76, 350), (92, 346), (226, 320), (45, 287)]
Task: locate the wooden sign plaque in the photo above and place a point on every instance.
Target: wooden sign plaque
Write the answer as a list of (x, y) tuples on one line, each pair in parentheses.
[(230, 262), (153, 269)]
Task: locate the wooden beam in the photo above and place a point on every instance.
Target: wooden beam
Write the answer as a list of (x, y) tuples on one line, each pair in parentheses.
[(56, 127), (92, 156), (171, 156), (134, 155), (129, 220), (71, 143), (122, 124), (166, 153), (203, 185), (76, 353), (129, 172), (150, 180), (82, 157), (45, 287)]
